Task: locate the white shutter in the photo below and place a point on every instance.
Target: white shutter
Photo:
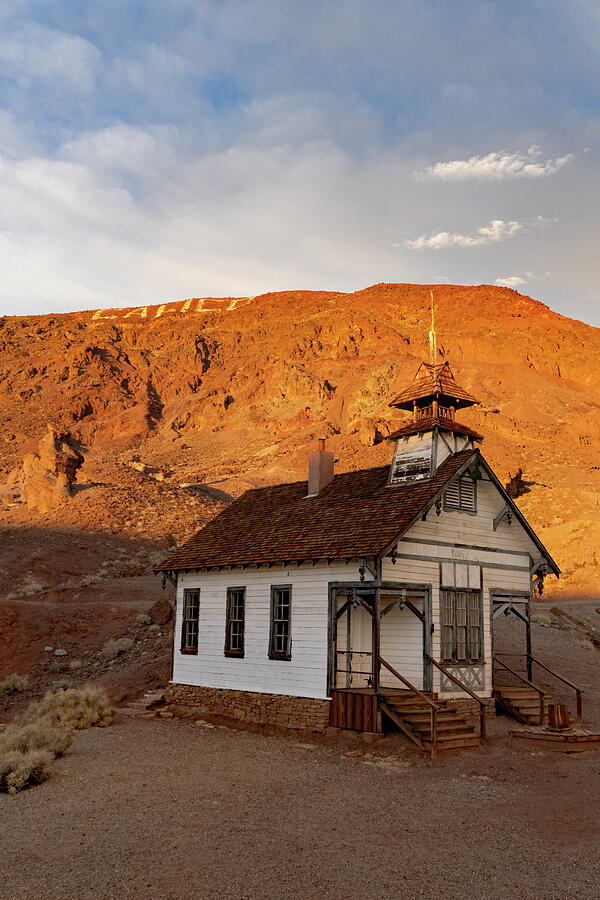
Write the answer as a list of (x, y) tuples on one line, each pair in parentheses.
[(467, 494), (452, 498)]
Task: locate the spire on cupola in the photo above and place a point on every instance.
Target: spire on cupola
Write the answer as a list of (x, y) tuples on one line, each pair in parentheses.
[(433, 434)]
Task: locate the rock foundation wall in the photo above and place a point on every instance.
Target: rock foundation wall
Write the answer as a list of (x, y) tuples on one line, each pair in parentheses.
[(301, 713)]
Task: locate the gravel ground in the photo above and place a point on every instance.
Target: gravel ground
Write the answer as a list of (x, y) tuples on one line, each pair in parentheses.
[(166, 809), (163, 808)]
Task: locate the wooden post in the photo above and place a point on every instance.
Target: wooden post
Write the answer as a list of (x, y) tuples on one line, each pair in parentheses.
[(377, 641), (528, 639)]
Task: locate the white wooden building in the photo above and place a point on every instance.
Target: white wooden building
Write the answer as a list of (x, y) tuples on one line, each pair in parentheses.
[(362, 599)]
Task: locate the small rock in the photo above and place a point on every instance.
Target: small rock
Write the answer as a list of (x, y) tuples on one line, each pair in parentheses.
[(305, 746)]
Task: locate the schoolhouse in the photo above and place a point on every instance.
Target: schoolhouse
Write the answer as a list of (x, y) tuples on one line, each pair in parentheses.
[(362, 599)]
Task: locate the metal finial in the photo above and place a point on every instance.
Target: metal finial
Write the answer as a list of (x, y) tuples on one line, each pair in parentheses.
[(432, 334)]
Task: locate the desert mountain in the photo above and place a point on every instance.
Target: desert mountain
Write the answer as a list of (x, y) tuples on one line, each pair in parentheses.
[(180, 406)]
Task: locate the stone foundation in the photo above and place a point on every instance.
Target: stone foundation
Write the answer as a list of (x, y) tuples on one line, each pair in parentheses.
[(469, 709), (301, 713)]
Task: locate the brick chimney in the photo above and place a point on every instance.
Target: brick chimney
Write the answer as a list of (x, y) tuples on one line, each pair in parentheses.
[(320, 469)]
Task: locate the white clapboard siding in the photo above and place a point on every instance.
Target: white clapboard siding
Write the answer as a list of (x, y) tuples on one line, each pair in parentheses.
[(458, 549), (305, 675), (401, 645)]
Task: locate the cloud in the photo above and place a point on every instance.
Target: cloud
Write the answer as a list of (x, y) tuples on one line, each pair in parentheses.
[(496, 166), (512, 281), (515, 281), (36, 53), (497, 230)]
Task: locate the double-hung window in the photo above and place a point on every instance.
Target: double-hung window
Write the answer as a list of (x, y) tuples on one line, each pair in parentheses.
[(280, 639), (189, 622), (462, 495), (461, 626), (234, 623)]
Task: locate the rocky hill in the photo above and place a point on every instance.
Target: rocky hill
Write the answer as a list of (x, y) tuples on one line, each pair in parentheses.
[(178, 407)]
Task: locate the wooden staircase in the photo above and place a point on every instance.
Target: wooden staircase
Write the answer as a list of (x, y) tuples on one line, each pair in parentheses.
[(523, 703), (412, 714)]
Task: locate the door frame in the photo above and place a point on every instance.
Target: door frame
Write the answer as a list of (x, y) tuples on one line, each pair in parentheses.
[(361, 589)]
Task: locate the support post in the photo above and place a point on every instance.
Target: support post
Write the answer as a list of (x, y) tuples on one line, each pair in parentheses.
[(528, 639), (377, 641)]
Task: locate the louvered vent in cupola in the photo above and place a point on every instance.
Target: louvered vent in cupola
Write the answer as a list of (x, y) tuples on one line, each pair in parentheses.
[(461, 494)]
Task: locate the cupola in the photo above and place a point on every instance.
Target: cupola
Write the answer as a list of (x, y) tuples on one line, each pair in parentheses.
[(433, 434)]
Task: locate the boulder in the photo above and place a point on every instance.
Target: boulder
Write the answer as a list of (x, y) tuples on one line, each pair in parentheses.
[(161, 612)]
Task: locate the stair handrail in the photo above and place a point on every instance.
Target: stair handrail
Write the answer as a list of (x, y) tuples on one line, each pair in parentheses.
[(579, 692), (433, 707), (463, 687), (525, 681)]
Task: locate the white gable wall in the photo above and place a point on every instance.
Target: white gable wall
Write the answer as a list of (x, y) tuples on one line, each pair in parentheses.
[(461, 549), (305, 674)]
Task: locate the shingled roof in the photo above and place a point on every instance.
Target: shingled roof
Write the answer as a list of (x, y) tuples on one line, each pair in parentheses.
[(357, 514), (431, 381), (428, 424)]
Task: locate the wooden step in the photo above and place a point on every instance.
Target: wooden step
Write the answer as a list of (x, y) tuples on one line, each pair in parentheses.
[(458, 743)]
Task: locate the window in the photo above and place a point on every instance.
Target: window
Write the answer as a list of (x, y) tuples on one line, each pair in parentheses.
[(462, 494), (189, 623), (234, 623), (280, 641), (461, 626)]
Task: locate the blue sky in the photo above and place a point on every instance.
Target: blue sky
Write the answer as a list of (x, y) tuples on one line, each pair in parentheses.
[(160, 150)]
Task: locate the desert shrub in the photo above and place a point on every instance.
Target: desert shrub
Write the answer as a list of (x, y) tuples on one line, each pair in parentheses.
[(116, 647), (40, 735), (154, 628), (144, 619), (57, 667), (13, 684), (75, 664), (21, 770), (60, 652), (61, 684), (71, 708)]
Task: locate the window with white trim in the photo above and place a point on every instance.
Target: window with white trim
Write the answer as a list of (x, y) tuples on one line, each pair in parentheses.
[(461, 495), (461, 615)]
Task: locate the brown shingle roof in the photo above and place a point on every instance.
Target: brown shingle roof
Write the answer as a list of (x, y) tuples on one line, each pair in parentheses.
[(435, 422), (358, 514), (431, 381)]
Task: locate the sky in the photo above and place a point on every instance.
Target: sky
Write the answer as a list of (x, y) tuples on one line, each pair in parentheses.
[(159, 150)]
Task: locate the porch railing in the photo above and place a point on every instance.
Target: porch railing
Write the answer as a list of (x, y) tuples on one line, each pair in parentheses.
[(578, 690), (472, 694), (433, 707)]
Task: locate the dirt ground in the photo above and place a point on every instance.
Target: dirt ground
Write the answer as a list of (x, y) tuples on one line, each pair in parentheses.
[(166, 808)]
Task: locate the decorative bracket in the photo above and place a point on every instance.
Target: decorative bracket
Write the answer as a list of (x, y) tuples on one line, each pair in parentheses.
[(438, 506), (506, 511)]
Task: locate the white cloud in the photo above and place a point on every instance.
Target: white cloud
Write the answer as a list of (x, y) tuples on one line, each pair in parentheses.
[(497, 230), (37, 53), (495, 166), (512, 281)]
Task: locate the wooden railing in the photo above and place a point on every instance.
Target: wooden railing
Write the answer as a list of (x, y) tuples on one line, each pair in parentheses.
[(433, 707), (463, 687), (525, 681), (578, 690)]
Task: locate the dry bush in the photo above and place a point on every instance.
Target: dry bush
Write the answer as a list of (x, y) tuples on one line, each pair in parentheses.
[(13, 684), (57, 667), (154, 628), (40, 735), (21, 770), (113, 648), (71, 708), (75, 664), (144, 619)]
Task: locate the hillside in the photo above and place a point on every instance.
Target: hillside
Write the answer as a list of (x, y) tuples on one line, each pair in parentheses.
[(180, 406)]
